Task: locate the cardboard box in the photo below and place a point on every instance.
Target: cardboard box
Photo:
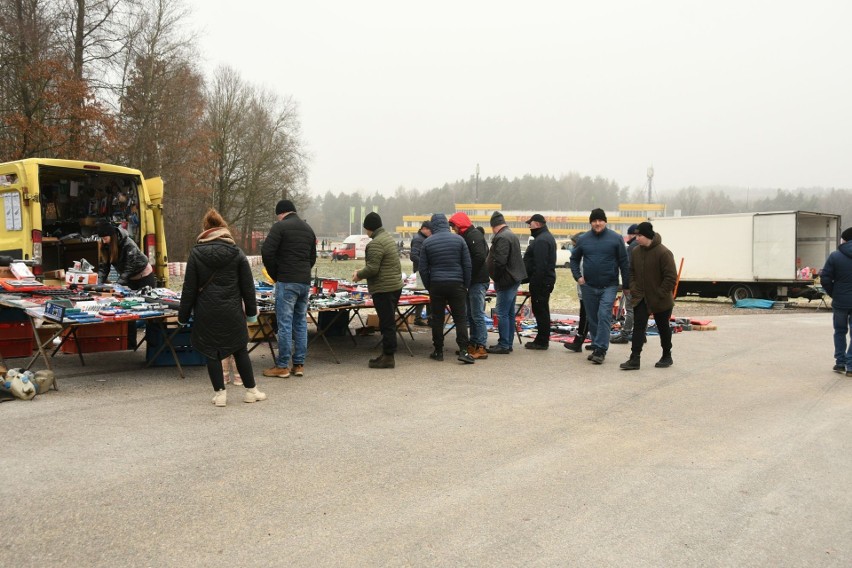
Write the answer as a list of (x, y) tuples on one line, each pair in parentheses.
[(75, 277), (373, 321)]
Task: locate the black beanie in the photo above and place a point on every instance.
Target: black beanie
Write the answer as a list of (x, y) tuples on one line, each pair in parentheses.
[(372, 221), (284, 206), (497, 219), (847, 235), (426, 225), (106, 229), (597, 214), (646, 229)]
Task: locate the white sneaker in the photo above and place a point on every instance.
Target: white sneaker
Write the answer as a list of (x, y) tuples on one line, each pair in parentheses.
[(254, 395), (221, 398)]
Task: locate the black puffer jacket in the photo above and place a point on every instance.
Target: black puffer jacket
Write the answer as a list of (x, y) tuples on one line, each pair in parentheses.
[(220, 308), (290, 250), (130, 261)]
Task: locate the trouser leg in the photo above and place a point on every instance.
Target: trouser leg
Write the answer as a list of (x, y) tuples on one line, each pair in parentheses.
[(243, 362)]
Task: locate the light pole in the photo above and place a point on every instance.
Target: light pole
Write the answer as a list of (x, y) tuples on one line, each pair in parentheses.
[(650, 181), (476, 187)]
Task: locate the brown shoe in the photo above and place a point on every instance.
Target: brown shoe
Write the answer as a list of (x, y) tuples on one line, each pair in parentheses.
[(298, 370), (280, 372), (478, 352)]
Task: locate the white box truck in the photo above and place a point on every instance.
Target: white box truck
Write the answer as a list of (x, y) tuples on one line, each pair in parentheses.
[(748, 255)]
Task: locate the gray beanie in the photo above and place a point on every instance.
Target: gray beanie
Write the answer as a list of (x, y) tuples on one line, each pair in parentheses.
[(497, 219)]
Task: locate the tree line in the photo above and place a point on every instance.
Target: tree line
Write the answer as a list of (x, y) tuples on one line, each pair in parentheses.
[(330, 214), (117, 81)]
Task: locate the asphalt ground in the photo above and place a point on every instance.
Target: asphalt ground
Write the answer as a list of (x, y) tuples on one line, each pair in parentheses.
[(738, 455)]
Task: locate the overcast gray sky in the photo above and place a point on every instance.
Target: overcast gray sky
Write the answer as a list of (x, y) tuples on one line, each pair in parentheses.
[(392, 93)]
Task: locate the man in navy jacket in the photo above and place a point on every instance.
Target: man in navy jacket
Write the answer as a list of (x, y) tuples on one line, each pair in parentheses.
[(445, 268), (604, 255), (836, 278)]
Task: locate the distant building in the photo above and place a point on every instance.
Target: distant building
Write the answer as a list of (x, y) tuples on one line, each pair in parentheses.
[(562, 224)]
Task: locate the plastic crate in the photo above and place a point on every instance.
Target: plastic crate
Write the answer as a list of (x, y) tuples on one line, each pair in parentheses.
[(94, 344), (183, 349), (15, 330), (16, 347), (112, 329)]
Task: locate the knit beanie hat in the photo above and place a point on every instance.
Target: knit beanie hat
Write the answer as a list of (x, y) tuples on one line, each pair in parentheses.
[(597, 215), (106, 229), (497, 219), (633, 229), (646, 229), (847, 235), (372, 221), (284, 206), (426, 225)]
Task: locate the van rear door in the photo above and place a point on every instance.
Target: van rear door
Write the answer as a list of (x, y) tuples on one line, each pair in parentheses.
[(155, 242)]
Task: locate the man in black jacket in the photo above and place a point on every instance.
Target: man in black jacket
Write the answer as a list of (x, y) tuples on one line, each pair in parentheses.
[(540, 262), (289, 252), (479, 279)]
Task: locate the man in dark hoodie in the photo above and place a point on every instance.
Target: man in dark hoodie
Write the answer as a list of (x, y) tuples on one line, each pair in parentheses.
[(540, 262), (416, 244), (478, 249), (836, 278), (445, 268)]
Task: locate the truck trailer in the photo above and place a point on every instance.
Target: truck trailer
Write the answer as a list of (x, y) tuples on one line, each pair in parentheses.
[(770, 255)]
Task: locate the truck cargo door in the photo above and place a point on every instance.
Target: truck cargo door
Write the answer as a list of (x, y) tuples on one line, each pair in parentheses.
[(774, 245)]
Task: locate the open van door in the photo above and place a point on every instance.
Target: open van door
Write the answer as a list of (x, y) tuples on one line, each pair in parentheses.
[(155, 243)]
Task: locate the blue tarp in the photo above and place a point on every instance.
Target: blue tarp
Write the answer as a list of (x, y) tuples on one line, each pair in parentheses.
[(755, 303)]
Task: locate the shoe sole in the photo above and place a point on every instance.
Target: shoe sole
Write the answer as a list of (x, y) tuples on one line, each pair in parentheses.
[(299, 374), (252, 399), (278, 375), (465, 361), (662, 366), (629, 368)]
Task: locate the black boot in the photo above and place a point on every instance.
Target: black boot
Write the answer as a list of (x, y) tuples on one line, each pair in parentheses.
[(383, 362), (631, 364), (437, 355), (665, 360)]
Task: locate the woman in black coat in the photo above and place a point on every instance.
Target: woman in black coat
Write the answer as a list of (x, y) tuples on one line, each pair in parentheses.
[(218, 292)]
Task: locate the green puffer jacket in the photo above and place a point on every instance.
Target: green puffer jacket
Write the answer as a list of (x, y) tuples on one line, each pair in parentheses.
[(382, 270)]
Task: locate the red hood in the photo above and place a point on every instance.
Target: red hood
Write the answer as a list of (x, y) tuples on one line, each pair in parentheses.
[(462, 221)]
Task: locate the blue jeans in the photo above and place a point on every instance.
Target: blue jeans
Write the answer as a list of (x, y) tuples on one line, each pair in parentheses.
[(599, 303), (291, 311), (476, 313), (506, 316), (842, 324)]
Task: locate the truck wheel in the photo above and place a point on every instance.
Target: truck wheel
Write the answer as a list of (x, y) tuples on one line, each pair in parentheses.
[(740, 292), (770, 293)]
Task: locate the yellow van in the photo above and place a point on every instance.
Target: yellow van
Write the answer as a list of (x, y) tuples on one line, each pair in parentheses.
[(51, 209)]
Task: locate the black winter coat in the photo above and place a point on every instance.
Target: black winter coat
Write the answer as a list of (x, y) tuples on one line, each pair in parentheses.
[(219, 310), (540, 259), (290, 250)]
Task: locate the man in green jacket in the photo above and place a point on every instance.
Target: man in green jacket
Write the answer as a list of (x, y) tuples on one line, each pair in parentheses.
[(384, 281), (652, 280)]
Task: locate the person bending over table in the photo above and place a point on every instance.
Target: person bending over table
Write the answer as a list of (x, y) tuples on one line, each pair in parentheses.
[(218, 292), (119, 250)]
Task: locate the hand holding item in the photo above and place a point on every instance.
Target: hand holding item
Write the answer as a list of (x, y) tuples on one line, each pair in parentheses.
[(355, 276), (251, 319)]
